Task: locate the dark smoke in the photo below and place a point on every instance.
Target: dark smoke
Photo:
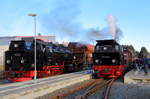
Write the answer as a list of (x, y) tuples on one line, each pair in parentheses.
[(94, 34), (62, 21), (107, 35), (118, 34)]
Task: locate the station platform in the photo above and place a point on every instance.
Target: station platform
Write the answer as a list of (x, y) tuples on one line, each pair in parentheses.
[(137, 77), (41, 87)]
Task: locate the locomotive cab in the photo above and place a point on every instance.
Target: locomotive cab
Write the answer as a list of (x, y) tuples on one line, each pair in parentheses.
[(20, 45), (16, 56), (107, 46)]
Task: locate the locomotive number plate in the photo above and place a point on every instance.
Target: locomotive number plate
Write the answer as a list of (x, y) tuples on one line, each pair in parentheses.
[(17, 54)]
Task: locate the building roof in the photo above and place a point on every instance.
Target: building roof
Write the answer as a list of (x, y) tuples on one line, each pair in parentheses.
[(5, 40)]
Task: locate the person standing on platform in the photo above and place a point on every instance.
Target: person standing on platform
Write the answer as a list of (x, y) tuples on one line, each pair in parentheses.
[(137, 66), (145, 64)]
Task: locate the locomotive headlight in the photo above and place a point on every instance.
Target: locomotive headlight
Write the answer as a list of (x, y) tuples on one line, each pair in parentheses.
[(117, 73), (113, 60), (74, 57), (105, 48), (22, 61), (8, 61), (96, 61), (15, 45), (32, 65)]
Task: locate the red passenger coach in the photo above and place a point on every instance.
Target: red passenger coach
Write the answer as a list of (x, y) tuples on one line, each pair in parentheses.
[(108, 60)]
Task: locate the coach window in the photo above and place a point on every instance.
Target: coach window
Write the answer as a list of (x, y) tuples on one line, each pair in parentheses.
[(117, 47), (148, 61), (57, 49), (90, 55), (121, 49), (43, 48), (50, 48), (97, 48), (38, 47), (54, 49), (61, 49), (28, 45)]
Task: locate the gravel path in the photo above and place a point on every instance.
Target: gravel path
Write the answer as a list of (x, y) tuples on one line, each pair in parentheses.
[(130, 91), (120, 90)]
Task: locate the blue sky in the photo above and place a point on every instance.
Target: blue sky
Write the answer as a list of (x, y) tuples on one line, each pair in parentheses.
[(76, 17)]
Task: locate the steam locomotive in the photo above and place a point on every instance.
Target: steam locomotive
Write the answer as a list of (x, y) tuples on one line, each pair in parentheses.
[(82, 54), (108, 59), (51, 59)]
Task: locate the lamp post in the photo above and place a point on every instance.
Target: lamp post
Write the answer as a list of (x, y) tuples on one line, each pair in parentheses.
[(34, 18)]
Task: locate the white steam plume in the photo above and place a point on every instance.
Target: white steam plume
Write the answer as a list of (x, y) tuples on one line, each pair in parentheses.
[(112, 26)]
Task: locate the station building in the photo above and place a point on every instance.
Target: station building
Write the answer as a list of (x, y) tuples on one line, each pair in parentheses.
[(5, 41)]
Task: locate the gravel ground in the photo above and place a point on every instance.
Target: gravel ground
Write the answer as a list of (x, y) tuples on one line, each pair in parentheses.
[(119, 90), (130, 91)]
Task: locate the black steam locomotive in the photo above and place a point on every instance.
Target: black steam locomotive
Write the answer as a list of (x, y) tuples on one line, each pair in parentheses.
[(51, 59), (108, 60)]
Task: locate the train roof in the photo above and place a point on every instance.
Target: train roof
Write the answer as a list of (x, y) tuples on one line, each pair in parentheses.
[(32, 40), (107, 42)]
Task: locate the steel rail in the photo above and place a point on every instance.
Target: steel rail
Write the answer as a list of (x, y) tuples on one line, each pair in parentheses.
[(107, 91), (63, 95), (93, 88)]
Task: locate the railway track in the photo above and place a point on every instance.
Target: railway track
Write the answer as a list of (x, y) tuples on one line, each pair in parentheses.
[(95, 87), (107, 91), (91, 87)]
